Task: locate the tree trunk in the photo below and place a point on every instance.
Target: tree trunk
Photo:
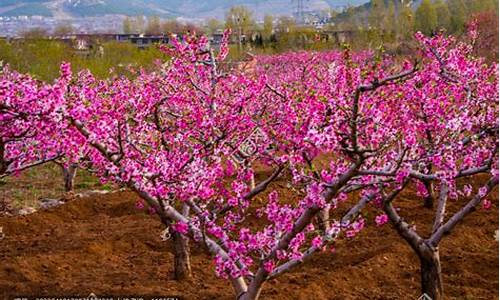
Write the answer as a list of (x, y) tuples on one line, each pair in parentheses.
[(69, 176), (251, 295), (428, 200), (430, 272), (182, 264), (252, 182), (324, 219)]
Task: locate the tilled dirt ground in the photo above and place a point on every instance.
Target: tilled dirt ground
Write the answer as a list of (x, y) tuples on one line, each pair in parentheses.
[(104, 245)]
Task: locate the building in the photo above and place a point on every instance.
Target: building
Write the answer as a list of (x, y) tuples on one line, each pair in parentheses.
[(143, 41), (84, 42)]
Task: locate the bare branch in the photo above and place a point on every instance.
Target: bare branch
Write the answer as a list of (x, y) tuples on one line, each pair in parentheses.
[(404, 229), (387, 80), (262, 186), (275, 91), (462, 213), (9, 172), (348, 217), (441, 207)]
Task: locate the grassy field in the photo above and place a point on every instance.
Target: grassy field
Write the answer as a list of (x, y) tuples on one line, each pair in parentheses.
[(44, 181), (42, 58)]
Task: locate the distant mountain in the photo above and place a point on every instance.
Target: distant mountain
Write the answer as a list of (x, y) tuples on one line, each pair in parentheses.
[(362, 11), (66, 9), (81, 8)]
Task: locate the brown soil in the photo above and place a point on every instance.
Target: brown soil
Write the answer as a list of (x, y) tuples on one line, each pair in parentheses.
[(103, 245)]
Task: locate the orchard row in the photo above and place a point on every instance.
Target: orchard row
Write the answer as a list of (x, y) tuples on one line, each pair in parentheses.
[(189, 137)]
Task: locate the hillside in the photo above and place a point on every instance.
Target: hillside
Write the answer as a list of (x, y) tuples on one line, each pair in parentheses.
[(164, 8)]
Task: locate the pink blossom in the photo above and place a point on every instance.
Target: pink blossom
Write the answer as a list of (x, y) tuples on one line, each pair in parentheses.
[(139, 204), (65, 71), (381, 219), (317, 242), (350, 233), (273, 196), (269, 266), (483, 191), (467, 190), (486, 204), (180, 227)]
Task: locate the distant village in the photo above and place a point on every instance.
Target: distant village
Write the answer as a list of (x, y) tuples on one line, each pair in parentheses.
[(90, 34), (86, 42)]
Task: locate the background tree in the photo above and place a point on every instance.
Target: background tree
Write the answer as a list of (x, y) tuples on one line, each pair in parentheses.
[(35, 33), (139, 24), (389, 22), (174, 26), (486, 44), (458, 17), (442, 14), (268, 28), (286, 25), (426, 17), (478, 6), (372, 35), (213, 25), (405, 21), (63, 29), (352, 21), (240, 19), (377, 13), (154, 25), (171, 26), (285, 31), (127, 25), (191, 28)]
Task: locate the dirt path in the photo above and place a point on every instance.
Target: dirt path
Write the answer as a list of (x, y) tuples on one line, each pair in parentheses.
[(103, 245)]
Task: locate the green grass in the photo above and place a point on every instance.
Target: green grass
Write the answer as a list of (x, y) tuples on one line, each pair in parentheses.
[(44, 182), (42, 58)]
